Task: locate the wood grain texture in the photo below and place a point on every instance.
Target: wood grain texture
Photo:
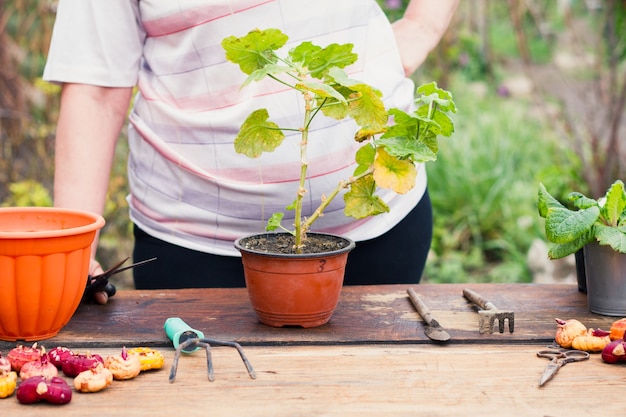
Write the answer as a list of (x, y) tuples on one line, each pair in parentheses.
[(365, 315), (356, 380), (372, 359)]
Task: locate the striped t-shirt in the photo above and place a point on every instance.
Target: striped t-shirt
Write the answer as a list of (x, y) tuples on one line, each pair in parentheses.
[(187, 184)]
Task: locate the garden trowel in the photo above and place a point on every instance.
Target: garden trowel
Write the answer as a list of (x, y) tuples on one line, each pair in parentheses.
[(432, 328)]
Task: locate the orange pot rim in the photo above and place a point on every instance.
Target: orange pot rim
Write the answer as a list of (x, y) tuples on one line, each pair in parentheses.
[(97, 222)]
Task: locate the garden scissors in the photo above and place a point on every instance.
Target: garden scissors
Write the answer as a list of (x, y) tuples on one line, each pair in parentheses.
[(559, 358), (100, 282)]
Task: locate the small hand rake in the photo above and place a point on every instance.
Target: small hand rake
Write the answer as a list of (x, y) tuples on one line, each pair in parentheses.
[(489, 313), (189, 344)]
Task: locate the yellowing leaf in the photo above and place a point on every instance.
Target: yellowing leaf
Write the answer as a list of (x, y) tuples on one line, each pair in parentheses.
[(393, 173), (258, 135), (367, 108), (367, 133), (360, 200)]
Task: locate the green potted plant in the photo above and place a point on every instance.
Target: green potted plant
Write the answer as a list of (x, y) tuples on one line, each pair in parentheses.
[(598, 226), (387, 159)]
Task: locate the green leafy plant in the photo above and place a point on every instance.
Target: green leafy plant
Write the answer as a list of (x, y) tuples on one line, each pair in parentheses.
[(602, 220), (389, 152), (28, 193)]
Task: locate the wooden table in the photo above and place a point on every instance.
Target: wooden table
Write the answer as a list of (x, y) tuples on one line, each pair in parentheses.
[(371, 359)]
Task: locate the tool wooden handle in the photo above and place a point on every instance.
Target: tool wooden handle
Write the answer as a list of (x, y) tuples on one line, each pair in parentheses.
[(476, 298), (421, 308)]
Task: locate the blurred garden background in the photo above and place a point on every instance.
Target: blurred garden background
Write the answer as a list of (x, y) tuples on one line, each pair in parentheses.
[(540, 86)]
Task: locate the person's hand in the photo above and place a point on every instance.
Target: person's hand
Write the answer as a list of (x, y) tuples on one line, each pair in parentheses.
[(99, 297)]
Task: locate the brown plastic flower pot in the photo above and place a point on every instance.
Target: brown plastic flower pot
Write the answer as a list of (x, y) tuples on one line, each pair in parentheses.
[(44, 263), (294, 289)]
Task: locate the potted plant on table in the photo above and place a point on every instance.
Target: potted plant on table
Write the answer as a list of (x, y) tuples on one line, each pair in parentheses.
[(599, 228), (386, 159)]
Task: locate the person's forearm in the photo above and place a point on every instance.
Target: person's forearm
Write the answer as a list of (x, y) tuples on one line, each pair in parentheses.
[(421, 28), (89, 125)]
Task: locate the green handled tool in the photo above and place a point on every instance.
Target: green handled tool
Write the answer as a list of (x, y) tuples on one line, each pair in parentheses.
[(178, 332), (187, 340)]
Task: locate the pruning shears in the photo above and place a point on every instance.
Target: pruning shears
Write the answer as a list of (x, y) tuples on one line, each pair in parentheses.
[(100, 282)]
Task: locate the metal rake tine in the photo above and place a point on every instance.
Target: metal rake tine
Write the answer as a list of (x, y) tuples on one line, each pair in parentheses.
[(242, 355), (489, 312), (507, 316), (179, 349), (209, 363), (172, 376)]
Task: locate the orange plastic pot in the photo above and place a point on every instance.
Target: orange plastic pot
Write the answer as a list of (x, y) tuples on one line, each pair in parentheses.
[(44, 263), (293, 289)]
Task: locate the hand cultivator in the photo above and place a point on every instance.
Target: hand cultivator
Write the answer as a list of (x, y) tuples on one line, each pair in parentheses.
[(206, 343), (489, 313)]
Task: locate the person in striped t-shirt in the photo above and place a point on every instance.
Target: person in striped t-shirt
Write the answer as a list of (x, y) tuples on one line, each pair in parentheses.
[(191, 195)]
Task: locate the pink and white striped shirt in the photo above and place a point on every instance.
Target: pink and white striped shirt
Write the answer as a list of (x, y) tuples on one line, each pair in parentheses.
[(187, 184)]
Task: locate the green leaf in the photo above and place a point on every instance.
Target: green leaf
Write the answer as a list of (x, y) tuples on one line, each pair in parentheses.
[(563, 225), (404, 126), (364, 158), (257, 135), (292, 206), (274, 221), (614, 203), (435, 121), (304, 53), (269, 69), (361, 201), (341, 77), (403, 138), (545, 201), (561, 250), (393, 173), (434, 104), (320, 60), (331, 107), (255, 50), (614, 237), (408, 149), (365, 105), (321, 90), (580, 201), (431, 93)]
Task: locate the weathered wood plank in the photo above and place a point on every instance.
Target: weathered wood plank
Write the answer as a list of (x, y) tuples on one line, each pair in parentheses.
[(379, 380), (365, 315)]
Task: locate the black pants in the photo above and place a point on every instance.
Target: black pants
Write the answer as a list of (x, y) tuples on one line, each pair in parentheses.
[(397, 257)]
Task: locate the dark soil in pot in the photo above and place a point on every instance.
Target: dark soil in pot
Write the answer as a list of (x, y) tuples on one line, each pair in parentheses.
[(284, 243)]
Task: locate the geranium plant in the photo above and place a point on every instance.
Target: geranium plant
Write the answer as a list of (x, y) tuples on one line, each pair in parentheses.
[(602, 220), (390, 150)]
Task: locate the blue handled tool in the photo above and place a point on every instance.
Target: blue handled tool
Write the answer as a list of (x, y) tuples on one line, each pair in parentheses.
[(178, 332)]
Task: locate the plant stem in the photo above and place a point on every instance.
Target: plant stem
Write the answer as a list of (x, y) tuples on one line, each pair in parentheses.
[(327, 200), (300, 231)]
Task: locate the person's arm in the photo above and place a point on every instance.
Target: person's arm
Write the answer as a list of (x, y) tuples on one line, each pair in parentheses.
[(421, 28), (90, 121)]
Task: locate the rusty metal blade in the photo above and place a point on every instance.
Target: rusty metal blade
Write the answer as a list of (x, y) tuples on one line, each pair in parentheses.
[(432, 328)]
